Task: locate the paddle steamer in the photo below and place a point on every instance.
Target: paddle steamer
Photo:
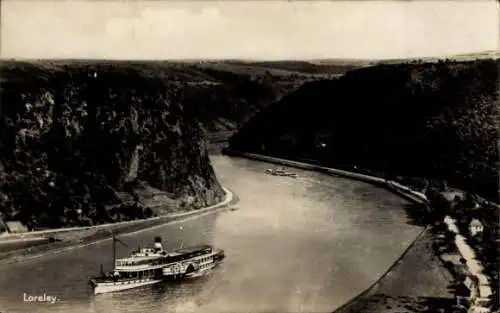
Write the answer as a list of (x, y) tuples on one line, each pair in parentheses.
[(148, 266)]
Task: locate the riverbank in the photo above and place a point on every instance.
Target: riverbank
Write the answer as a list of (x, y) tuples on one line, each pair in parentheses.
[(393, 186), (62, 240), (417, 282), (218, 141)]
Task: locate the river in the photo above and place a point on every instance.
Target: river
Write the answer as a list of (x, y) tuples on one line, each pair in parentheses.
[(294, 245)]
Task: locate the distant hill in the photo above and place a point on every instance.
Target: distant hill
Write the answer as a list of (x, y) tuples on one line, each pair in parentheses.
[(423, 119), (227, 93), (494, 54)]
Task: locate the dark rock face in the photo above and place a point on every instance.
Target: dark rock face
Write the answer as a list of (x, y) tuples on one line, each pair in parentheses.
[(429, 120), (73, 138)]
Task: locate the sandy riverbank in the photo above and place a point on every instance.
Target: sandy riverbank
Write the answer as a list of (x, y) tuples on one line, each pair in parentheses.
[(74, 238), (418, 282)]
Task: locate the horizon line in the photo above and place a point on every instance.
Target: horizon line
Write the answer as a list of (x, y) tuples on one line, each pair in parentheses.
[(484, 53)]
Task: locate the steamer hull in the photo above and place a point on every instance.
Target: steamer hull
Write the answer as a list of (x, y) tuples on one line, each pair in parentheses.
[(101, 287)]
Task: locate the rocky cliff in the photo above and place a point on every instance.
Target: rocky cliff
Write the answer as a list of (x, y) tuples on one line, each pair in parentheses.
[(82, 144)]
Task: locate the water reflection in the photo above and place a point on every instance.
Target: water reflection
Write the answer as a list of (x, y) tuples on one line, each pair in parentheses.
[(169, 297)]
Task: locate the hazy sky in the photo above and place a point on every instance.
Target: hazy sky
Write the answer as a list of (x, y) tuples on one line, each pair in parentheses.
[(246, 29)]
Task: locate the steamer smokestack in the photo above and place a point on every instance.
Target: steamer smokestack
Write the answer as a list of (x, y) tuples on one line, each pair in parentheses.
[(158, 246)]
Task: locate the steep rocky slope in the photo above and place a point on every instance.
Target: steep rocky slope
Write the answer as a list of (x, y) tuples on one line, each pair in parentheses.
[(425, 120), (82, 143)]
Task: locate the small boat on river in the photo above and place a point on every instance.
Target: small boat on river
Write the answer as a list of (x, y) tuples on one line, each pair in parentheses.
[(152, 265), (280, 172)]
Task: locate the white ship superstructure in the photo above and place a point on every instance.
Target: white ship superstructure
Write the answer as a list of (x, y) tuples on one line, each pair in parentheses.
[(148, 266), (143, 267)]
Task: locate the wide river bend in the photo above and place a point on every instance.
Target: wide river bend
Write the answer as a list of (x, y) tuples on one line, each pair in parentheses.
[(294, 245)]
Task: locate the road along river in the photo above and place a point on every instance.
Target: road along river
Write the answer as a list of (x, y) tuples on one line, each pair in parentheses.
[(294, 245)]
